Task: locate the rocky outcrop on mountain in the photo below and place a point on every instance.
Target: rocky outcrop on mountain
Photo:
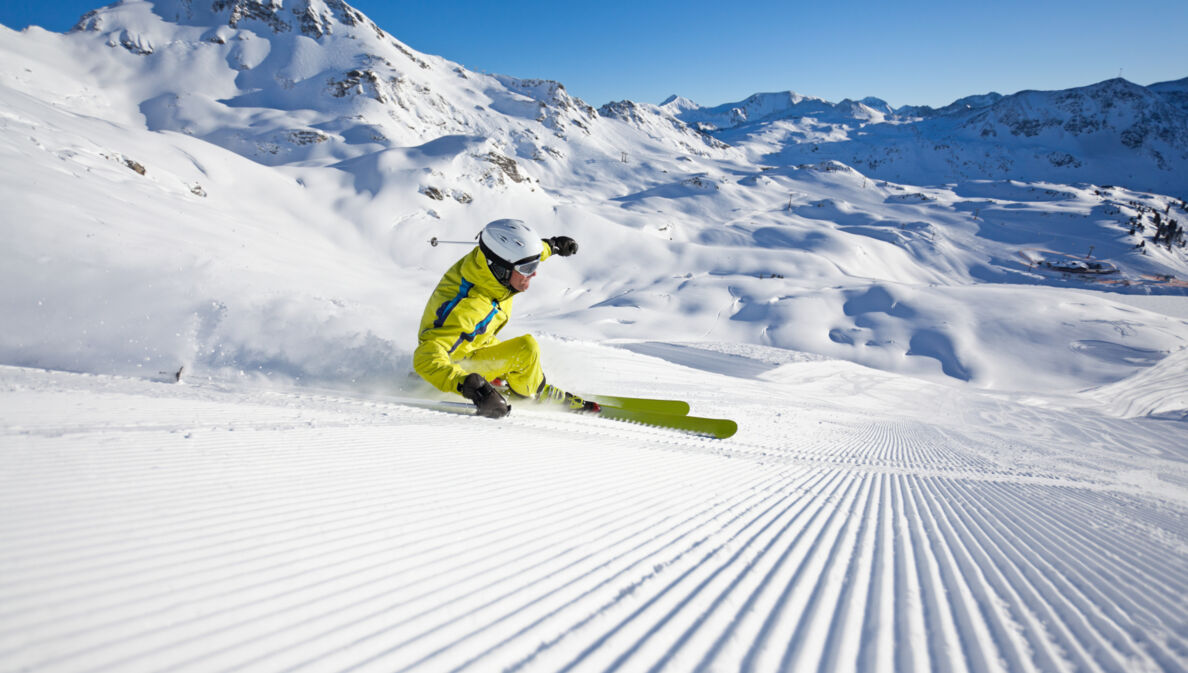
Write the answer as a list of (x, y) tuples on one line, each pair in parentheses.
[(556, 109), (247, 10), (317, 19)]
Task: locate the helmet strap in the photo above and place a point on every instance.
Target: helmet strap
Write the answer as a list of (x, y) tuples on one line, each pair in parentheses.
[(499, 268)]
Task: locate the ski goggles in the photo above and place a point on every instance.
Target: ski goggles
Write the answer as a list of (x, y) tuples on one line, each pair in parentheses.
[(527, 266)]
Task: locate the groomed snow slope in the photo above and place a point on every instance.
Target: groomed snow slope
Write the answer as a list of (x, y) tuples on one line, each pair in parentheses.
[(858, 521)]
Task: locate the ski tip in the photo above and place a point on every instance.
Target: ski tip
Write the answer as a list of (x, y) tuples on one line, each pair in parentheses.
[(719, 428)]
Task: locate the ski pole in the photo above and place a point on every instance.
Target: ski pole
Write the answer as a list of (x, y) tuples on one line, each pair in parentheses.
[(434, 242)]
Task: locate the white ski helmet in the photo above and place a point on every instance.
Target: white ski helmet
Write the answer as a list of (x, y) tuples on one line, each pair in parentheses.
[(508, 245)]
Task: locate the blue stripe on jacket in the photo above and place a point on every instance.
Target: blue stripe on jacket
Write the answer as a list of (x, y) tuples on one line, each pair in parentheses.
[(444, 310), (479, 328)]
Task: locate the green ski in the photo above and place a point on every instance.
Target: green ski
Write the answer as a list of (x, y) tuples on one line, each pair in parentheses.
[(673, 407), (672, 414), (720, 428)]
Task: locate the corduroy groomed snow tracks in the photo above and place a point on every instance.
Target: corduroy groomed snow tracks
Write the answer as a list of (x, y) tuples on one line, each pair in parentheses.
[(165, 528)]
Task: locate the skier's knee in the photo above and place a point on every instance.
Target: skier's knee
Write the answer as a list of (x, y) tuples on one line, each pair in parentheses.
[(529, 345)]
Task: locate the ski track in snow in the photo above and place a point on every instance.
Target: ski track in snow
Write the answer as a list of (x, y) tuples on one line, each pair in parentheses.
[(150, 527)]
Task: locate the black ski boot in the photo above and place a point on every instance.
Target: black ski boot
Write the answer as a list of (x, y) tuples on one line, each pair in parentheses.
[(487, 401)]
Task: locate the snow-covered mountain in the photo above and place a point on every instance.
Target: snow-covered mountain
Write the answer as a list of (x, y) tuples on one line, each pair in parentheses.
[(307, 81), (975, 102), (767, 107), (1111, 132), (360, 88)]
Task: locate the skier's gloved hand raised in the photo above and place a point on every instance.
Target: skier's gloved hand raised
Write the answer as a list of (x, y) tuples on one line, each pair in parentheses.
[(487, 400), (562, 245)]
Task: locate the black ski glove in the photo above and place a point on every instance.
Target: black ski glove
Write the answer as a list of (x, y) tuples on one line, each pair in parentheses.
[(487, 400), (562, 245)]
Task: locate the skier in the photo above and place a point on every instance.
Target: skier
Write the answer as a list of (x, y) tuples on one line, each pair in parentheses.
[(458, 350)]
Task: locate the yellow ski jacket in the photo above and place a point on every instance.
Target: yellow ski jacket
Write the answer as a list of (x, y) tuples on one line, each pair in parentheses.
[(464, 313)]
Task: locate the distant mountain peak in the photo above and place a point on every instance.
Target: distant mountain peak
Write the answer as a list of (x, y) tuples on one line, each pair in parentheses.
[(676, 104)]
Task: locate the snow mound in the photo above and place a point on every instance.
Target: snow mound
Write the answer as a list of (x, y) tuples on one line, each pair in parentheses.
[(1158, 391)]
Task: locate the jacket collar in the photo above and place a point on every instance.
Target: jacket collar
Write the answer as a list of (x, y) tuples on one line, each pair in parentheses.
[(475, 270)]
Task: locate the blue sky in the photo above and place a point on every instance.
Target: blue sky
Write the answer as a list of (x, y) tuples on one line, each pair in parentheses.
[(910, 52)]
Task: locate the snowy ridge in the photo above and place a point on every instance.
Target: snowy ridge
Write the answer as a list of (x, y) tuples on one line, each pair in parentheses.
[(766, 107), (961, 104)]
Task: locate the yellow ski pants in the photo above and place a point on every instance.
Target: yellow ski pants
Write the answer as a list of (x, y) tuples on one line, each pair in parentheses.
[(516, 361)]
